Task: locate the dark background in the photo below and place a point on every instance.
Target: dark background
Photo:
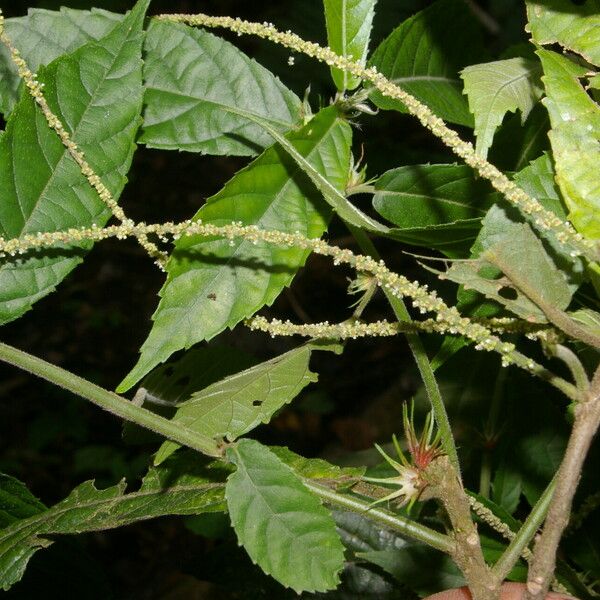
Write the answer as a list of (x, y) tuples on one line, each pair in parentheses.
[(95, 322)]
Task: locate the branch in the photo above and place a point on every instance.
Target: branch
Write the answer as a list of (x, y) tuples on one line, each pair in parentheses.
[(402, 525), (109, 401), (587, 420), (444, 485)]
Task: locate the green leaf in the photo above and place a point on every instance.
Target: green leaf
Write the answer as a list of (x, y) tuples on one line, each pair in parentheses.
[(574, 26), (180, 488), (193, 80), (175, 381), (342, 206), (348, 31), (424, 56), (16, 501), (575, 139), (41, 186), (498, 87), (44, 35), (424, 195), (437, 206), (237, 404), (281, 524), (316, 468), (214, 283), (531, 278), (506, 487)]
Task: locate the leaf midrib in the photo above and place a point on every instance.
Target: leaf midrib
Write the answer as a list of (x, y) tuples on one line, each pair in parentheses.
[(52, 513), (65, 152), (265, 212)]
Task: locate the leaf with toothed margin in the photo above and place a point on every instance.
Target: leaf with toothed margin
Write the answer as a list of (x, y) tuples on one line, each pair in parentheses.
[(193, 81), (180, 487), (214, 283), (348, 31), (42, 36), (575, 140), (281, 524), (575, 26), (237, 404), (495, 88), (97, 93)]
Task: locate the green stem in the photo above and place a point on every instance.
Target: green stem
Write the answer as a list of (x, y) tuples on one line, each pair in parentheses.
[(533, 522), (485, 476), (404, 526), (109, 401), (416, 347)]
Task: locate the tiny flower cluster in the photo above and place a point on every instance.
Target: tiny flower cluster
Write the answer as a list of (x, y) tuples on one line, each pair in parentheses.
[(35, 89), (543, 218)]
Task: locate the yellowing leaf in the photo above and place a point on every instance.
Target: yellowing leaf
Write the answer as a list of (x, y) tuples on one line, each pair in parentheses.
[(575, 139)]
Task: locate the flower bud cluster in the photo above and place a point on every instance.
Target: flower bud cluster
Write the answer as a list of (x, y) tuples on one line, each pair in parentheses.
[(541, 217)]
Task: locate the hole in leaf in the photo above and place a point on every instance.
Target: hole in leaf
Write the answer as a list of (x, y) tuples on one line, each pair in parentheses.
[(508, 293), (183, 381), (257, 402)]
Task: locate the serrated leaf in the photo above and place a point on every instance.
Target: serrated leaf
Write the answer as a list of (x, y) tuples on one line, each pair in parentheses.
[(349, 25), (16, 501), (315, 468), (175, 381), (43, 35), (437, 206), (97, 93), (193, 80), (424, 56), (342, 206), (281, 524), (537, 179), (214, 283), (575, 139), (180, 488), (574, 26), (531, 278), (498, 87), (237, 404)]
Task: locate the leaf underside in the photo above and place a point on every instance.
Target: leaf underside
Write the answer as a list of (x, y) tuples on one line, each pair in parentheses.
[(235, 405)]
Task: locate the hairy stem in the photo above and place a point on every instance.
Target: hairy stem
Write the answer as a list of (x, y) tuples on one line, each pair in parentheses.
[(524, 536), (468, 555), (109, 401), (587, 420), (402, 525)]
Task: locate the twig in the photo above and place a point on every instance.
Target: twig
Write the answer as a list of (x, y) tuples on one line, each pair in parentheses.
[(587, 420)]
